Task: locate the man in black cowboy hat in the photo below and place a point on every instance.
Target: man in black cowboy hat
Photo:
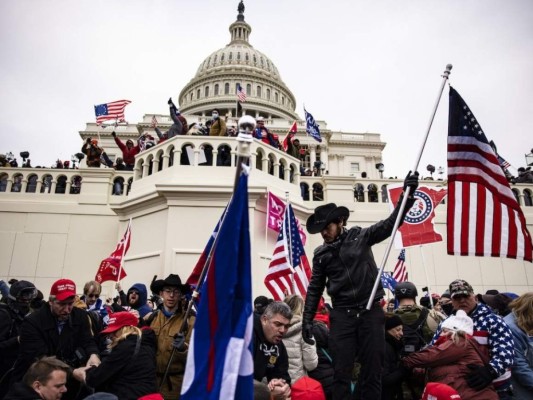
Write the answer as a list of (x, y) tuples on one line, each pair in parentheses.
[(166, 322), (345, 265)]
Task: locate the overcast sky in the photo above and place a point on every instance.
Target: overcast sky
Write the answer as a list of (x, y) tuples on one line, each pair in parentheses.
[(362, 66)]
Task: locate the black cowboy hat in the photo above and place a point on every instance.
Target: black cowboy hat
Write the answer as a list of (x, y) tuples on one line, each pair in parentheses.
[(171, 280), (324, 215)]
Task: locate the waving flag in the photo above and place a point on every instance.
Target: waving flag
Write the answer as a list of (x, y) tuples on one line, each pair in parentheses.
[(289, 271), (275, 212), (387, 281), (289, 136), (110, 267), (484, 218), (113, 110), (241, 94), (312, 127), (400, 269), (219, 362), (418, 226)]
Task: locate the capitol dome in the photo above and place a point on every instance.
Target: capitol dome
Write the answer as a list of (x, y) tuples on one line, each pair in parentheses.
[(217, 77)]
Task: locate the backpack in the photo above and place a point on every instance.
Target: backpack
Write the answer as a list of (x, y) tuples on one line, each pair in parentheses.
[(413, 335)]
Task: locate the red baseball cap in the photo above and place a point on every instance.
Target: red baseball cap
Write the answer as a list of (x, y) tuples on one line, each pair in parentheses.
[(63, 289), (120, 319), (439, 391)]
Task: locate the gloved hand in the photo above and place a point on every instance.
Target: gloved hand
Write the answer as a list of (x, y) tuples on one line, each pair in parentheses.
[(169, 102), (179, 342), (411, 181), (114, 134), (480, 376), (307, 333), (88, 140)]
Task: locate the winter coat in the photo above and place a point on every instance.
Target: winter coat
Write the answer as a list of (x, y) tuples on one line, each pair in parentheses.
[(127, 372), (218, 128), (393, 374), (522, 370), (347, 267), (493, 333), (128, 155), (302, 356), (448, 363), (270, 360), (10, 322), (39, 336), (165, 328), (21, 391), (93, 154), (324, 371), (142, 307)]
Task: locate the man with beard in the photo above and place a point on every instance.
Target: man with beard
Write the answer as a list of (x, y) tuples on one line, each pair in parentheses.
[(270, 356), (21, 293), (58, 329)]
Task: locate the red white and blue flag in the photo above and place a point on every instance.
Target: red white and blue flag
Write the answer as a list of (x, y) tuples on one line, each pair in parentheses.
[(111, 268), (289, 271), (219, 362), (113, 110), (484, 218), (241, 94), (400, 269)]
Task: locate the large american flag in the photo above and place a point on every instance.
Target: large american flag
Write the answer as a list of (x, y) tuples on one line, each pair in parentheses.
[(400, 269), (289, 271), (484, 218), (241, 94), (113, 110)]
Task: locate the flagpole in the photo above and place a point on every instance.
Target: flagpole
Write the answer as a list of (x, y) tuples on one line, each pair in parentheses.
[(128, 229), (266, 225), (427, 277), (445, 76), (287, 221)]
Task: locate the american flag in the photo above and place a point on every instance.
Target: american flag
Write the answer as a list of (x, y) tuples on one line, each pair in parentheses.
[(113, 110), (289, 271), (400, 270), (503, 163), (484, 218), (241, 94)]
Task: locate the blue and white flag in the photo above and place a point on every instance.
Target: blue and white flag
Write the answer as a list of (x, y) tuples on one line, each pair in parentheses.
[(312, 127), (387, 281), (220, 362)]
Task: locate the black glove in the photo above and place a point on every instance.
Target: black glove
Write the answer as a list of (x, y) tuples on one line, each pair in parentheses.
[(114, 134), (480, 376), (307, 333), (171, 103), (411, 180), (179, 342), (88, 140)]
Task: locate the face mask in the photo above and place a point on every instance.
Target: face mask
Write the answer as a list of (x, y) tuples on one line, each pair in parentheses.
[(215, 116), (447, 308)]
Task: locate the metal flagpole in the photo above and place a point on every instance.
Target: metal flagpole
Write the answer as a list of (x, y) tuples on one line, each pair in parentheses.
[(289, 238), (445, 76), (427, 277), (246, 127)]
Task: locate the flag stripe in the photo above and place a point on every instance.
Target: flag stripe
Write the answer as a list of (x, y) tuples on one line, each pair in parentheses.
[(112, 110), (484, 216)]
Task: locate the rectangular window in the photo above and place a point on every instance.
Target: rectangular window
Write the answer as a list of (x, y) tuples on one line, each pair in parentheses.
[(354, 167)]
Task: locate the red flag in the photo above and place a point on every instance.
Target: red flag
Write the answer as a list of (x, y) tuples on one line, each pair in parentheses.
[(275, 211), (418, 227), (289, 135), (400, 269), (110, 267), (289, 271), (484, 218)]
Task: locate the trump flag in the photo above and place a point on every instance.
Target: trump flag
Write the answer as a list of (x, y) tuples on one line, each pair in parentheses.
[(219, 362), (418, 227), (111, 268)]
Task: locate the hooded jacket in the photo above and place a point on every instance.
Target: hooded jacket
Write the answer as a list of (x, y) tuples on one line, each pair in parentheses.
[(128, 155), (302, 356), (142, 307)]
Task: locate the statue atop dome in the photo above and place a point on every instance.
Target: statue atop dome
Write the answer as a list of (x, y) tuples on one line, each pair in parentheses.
[(240, 9)]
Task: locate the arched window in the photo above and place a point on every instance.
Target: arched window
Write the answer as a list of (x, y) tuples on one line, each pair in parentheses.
[(75, 184), (384, 194), (247, 57), (528, 198), (268, 94), (262, 62), (61, 184), (3, 182), (31, 187), (118, 186), (198, 94), (191, 96), (222, 57), (230, 57), (304, 188), (206, 91), (226, 88), (258, 92), (17, 183), (255, 59), (318, 192), (215, 59), (283, 100), (238, 56), (276, 97), (372, 193), (359, 193), (249, 89), (216, 89), (47, 184)]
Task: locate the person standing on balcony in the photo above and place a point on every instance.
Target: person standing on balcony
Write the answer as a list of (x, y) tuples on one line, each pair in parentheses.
[(262, 133), (218, 125), (129, 151), (92, 152)]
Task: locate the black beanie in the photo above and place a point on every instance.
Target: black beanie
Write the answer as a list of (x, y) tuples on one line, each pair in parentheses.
[(392, 322)]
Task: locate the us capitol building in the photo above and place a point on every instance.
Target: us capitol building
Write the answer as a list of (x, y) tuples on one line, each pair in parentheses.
[(63, 222)]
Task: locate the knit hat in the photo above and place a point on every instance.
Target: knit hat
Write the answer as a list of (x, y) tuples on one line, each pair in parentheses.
[(439, 391), (307, 388), (459, 322), (392, 322)]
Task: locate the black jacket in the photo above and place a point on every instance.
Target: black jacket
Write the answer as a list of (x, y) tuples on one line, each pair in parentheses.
[(10, 322), (126, 373), (347, 267), (21, 391), (324, 370), (39, 336), (393, 373), (270, 360)]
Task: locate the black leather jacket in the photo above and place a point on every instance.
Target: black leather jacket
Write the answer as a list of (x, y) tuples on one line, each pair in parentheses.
[(347, 267)]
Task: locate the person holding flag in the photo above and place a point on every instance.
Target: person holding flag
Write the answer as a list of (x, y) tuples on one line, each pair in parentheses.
[(346, 266)]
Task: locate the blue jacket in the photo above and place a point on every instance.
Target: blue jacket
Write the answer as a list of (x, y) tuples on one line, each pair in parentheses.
[(522, 371)]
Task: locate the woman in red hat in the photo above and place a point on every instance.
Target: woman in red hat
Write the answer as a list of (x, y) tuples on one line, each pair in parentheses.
[(128, 371)]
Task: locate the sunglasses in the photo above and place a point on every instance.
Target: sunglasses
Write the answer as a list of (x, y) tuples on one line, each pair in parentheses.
[(93, 296)]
